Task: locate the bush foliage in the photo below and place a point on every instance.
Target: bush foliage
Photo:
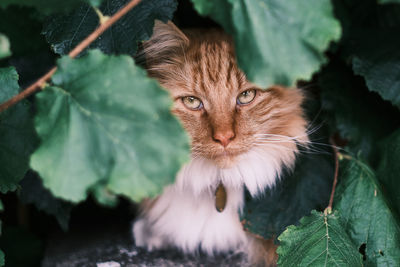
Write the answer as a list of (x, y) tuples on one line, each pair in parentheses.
[(101, 128)]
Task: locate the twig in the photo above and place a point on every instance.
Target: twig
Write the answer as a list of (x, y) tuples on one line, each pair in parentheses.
[(28, 91), (336, 152), (76, 51)]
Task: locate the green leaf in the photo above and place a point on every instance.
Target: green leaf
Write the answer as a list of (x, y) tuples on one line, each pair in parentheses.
[(370, 43), (277, 42), (378, 61), (22, 28), (48, 6), (17, 136), (319, 240), (104, 120), (367, 216), (4, 46), (389, 168), (220, 11), (33, 192), (271, 213), (365, 17), (103, 195), (95, 3), (65, 32), (354, 112), (389, 1), (2, 261)]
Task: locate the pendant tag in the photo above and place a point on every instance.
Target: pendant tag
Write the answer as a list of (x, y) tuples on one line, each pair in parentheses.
[(220, 198)]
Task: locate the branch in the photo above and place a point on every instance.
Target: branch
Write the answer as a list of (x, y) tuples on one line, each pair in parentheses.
[(76, 51), (336, 152)]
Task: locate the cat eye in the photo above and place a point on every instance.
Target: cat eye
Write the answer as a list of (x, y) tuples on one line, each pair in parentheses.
[(246, 97), (192, 102)]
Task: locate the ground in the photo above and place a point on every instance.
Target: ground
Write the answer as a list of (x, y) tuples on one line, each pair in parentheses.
[(109, 243)]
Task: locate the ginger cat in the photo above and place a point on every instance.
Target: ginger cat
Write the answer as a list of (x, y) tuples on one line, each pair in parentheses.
[(241, 136)]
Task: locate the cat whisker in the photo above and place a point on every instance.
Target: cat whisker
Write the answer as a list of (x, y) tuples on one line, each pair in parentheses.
[(300, 147), (274, 145), (308, 85), (309, 144), (276, 139), (305, 143), (310, 130), (315, 118), (281, 136)]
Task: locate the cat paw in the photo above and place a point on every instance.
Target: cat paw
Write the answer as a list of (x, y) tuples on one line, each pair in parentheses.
[(138, 231), (144, 238)]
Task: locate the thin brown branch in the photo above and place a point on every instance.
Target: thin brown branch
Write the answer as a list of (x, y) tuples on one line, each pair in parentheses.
[(76, 51), (28, 91), (336, 152)]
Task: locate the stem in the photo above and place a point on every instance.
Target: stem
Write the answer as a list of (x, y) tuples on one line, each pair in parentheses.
[(76, 51), (336, 152), (102, 18), (102, 28)]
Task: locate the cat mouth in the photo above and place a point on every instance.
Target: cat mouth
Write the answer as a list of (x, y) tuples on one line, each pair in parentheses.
[(227, 154), (226, 158)]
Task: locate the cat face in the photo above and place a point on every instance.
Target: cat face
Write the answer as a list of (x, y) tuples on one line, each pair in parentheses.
[(225, 114)]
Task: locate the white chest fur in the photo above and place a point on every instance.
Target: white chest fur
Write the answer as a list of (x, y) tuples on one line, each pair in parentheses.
[(189, 222), (185, 216)]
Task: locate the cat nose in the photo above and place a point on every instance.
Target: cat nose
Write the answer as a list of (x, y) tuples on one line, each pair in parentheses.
[(224, 138)]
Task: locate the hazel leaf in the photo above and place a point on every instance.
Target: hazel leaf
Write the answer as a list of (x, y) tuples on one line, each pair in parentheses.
[(105, 121)]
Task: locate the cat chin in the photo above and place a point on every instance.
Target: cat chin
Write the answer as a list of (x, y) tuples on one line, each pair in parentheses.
[(225, 161), (226, 158)]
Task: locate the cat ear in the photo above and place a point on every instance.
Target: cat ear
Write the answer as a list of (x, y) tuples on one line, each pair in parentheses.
[(164, 46)]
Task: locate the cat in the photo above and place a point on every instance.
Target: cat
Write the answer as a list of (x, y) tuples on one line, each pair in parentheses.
[(241, 137)]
